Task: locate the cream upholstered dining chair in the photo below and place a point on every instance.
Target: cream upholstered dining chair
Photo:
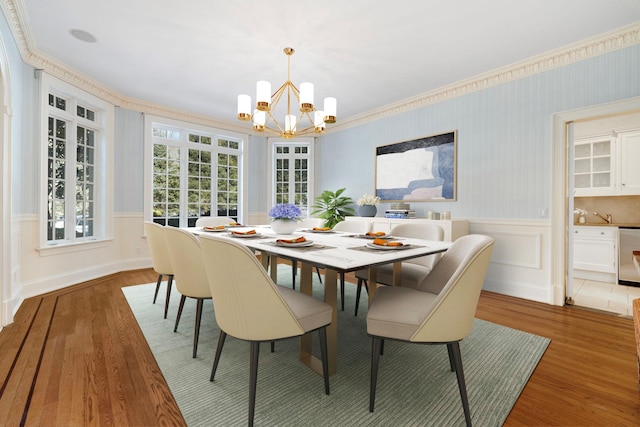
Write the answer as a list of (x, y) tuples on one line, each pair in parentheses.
[(249, 306), (440, 310), (414, 270), (191, 278), (160, 259), (214, 221), (356, 227)]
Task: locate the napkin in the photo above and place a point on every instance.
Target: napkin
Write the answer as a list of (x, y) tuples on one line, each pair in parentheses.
[(298, 240), (321, 228), (376, 233), (219, 227), (383, 242), (244, 232)]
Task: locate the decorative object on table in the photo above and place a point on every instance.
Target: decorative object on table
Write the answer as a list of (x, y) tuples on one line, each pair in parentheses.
[(285, 217), (582, 215), (421, 169), (266, 104), (367, 205), (333, 207)]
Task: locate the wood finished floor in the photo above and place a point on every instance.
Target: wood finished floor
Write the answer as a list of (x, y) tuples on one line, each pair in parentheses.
[(77, 357)]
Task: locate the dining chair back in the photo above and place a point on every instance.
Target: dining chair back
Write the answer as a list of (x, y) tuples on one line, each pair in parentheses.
[(191, 277), (214, 221), (249, 306), (440, 310), (358, 227), (413, 270), (160, 259)]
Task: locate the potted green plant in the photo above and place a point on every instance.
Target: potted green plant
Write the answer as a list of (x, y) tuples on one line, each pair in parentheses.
[(333, 207)]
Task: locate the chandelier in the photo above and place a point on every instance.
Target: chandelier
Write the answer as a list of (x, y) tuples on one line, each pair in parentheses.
[(263, 116)]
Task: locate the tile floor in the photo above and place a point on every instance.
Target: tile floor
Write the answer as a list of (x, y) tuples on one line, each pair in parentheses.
[(605, 296)]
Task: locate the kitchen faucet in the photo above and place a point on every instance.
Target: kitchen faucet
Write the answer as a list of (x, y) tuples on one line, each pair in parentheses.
[(608, 217)]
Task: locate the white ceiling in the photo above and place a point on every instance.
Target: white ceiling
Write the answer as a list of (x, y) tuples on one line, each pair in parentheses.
[(198, 55)]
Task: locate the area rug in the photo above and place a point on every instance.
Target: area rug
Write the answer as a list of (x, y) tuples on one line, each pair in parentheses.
[(415, 384)]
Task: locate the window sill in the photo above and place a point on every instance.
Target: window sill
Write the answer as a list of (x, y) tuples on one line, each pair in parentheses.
[(63, 248)]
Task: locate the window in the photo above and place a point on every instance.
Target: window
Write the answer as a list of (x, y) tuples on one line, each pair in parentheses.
[(195, 172), (292, 174), (78, 127)]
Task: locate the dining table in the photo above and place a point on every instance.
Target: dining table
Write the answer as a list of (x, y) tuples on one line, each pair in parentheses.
[(335, 252)]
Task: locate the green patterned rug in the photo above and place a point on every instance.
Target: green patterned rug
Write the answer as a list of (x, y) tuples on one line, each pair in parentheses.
[(415, 384)]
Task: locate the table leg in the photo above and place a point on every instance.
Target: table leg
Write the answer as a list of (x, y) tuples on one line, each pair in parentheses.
[(373, 284), (274, 267), (397, 273), (331, 298)]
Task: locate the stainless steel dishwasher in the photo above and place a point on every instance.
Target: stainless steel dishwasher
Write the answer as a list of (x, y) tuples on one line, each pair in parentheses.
[(628, 268)]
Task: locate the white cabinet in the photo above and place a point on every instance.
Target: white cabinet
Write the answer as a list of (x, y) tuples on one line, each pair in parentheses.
[(453, 228), (629, 163), (595, 253), (607, 165), (594, 166)]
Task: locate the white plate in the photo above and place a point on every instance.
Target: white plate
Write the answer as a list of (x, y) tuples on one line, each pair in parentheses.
[(320, 231), (387, 248), (365, 236), (214, 230), (245, 235), (295, 245)]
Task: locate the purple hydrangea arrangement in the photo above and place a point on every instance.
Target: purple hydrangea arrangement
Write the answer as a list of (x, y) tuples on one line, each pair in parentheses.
[(285, 211)]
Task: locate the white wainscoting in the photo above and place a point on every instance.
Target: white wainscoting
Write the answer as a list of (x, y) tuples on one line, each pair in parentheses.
[(37, 272), (520, 264)]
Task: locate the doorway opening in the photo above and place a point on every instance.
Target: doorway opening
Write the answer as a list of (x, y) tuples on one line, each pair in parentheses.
[(565, 290)]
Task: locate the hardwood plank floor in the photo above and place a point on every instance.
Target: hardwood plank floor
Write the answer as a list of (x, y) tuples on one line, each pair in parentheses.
[(77, 357)]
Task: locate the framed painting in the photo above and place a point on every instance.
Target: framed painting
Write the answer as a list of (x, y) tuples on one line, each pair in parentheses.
[(420, 170)]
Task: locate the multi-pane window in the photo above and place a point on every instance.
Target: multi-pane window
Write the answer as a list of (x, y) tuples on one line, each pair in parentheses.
[(291, 175), (73, 133), (195, 174)]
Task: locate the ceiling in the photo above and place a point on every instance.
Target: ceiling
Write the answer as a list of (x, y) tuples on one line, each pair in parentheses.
[(198, 55)]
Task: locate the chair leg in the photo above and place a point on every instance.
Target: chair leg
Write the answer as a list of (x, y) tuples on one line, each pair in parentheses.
[(253, 379), (216, 359), (325, 362), (166, 302), (294, 270), (375, 359), (319, 276), (342, 290), (196, 330), (273, 346), (457, 358), (180, 307), (452, 363), (358, 292), (155, 295)]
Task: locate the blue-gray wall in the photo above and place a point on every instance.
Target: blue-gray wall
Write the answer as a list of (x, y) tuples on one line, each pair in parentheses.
[(504, 138)]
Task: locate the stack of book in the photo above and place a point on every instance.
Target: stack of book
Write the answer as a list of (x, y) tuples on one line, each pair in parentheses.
[(400, 213)]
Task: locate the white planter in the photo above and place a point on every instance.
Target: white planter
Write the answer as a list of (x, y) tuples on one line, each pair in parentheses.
[(284, 226)]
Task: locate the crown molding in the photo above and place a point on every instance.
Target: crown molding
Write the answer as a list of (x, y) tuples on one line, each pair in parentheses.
[(589, 48), (599, 45)]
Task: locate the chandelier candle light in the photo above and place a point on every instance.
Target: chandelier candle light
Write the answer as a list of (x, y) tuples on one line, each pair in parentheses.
[(266, 104)]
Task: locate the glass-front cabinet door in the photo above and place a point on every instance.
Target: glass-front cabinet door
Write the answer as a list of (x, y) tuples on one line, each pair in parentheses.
[(594, 167)]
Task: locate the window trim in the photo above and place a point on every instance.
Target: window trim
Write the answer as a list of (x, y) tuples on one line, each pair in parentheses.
[(104, 163), (149, 120), (273, 142)]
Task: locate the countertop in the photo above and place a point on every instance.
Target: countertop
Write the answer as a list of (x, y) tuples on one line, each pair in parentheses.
[(604, 224)]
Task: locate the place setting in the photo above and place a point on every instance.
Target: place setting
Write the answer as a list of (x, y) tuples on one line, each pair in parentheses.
[(246, 234), (298, 243), (380, 245)]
